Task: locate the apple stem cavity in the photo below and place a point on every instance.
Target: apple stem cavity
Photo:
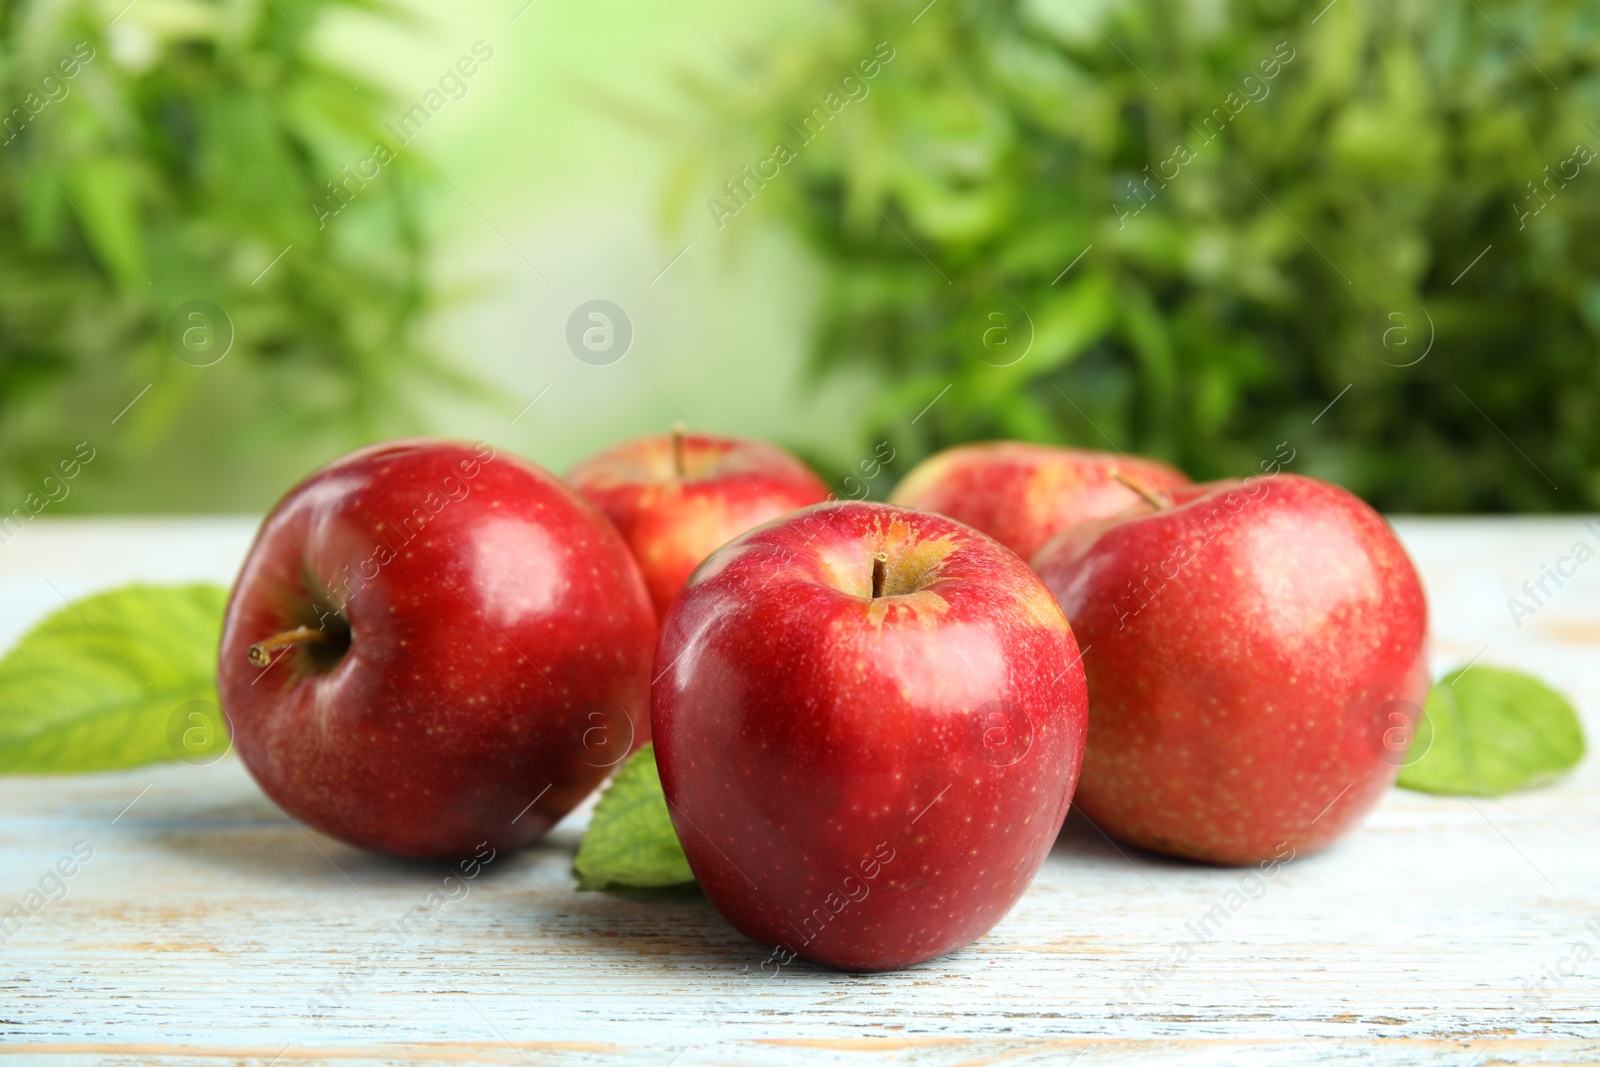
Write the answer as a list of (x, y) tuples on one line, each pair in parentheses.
[(261, 652), (678, 466), (1150, 496), (880, 567)]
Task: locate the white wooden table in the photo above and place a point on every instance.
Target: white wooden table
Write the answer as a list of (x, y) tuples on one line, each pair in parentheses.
[(208, 929)]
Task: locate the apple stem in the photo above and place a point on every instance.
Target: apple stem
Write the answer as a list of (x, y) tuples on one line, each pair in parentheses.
[(261, 652), (880, 565), (677, 449), (1151, 497)]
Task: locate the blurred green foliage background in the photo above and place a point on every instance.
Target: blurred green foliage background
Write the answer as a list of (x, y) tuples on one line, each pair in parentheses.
[(156, 169), (1273, 203), (1181, 228)]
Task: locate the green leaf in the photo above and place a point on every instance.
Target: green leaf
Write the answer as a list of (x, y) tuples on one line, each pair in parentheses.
[(118, 679), (631, 843), (1489, 731)]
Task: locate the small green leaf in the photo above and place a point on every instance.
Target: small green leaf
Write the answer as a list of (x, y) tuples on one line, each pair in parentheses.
[(115, 680), (1489, 731), (631, 843)]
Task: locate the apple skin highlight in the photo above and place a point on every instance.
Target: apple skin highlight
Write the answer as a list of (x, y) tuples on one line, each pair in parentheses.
[(867, 781), (483, 659), (1256, 659)]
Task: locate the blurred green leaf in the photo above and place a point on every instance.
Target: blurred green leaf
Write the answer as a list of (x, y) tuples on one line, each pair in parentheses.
[(115, 680), (1489, 731)]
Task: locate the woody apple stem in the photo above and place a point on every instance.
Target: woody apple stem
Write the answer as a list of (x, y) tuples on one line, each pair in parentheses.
[(261, 652), (880, 567), (1151, 497), (677, 450)]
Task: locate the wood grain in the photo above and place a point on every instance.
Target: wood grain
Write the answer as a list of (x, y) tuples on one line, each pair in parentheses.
[(207, 928)]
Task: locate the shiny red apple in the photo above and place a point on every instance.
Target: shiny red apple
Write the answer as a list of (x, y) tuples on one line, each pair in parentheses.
[(679, 497), (869, 722), (431, 646), (1256, 660), (1024, 494)]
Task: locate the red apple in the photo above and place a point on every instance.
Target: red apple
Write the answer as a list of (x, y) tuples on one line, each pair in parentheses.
[(1254, 649), (1022, 495), (869, 722), (456, 646), (679, 497)]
